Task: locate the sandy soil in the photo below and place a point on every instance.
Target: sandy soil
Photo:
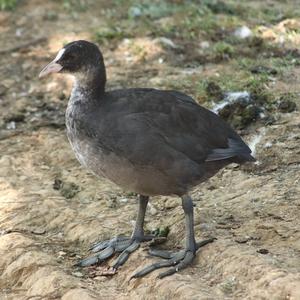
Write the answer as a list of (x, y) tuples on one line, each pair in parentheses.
[(253, 210)]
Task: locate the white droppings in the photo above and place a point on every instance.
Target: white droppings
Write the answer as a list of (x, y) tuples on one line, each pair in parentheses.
[(219, 106), (237, 96), (268, 145), (232, 98), (123, 200), (204, 45), (11, 125), (59, 54), (256, 139), (19, 32), (262, 115), (126, 41)]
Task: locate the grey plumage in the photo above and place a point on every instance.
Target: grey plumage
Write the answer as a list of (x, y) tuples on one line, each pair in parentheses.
[(163, 143)]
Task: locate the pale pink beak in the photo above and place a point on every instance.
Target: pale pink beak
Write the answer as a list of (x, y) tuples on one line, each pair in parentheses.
[(52, 67)]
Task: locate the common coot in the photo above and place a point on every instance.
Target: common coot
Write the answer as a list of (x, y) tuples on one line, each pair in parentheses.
[(148, 141)]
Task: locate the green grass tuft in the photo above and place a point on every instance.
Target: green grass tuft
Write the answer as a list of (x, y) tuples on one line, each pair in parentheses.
[(105, 35), (75, 5), (8, 4)]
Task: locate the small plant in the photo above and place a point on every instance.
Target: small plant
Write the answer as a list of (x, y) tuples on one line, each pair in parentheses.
[(8, 4), (223, 50), (75, 5), (161, 231), (152, 10), (107, 34)]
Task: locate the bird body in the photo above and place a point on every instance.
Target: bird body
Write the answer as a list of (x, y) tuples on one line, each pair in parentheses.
[(148, 141)]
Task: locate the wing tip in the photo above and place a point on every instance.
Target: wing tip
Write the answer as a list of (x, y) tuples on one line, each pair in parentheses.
[(247, 157)]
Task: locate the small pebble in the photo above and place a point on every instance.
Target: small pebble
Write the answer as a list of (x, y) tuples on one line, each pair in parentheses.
[(263, 251), (77, 274), (61, 253), (39, 231), (166, 42)]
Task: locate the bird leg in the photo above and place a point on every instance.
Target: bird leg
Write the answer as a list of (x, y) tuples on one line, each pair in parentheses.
[(177, 260), (126, 245)]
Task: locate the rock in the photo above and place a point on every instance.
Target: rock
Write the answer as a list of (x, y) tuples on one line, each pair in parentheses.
[(77, 274), (243, 32), (57, 184), (268, 34), (263, 251), (288, 24), (242, 239), (39, 231)]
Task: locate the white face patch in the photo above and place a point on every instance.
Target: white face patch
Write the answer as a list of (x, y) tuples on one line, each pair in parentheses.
[(59, 54)]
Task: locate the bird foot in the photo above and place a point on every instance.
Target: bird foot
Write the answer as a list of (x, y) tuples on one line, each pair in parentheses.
[(176, 260), (106, 249)]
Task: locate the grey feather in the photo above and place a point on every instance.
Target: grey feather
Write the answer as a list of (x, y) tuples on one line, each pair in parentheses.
[(236, 148)]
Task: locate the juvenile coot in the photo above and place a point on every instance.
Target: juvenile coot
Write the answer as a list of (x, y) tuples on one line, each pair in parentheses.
[(147, 141)]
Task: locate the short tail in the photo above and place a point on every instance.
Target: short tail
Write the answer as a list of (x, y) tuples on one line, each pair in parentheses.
[(237, 151)]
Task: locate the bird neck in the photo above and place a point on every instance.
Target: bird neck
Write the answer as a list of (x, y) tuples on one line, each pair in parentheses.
[(91, 82)]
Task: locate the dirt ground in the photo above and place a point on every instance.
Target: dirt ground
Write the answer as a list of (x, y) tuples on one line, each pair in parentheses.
[(52, 209)]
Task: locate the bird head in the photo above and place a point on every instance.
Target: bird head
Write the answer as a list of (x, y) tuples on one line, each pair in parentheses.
[(78, 57)]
